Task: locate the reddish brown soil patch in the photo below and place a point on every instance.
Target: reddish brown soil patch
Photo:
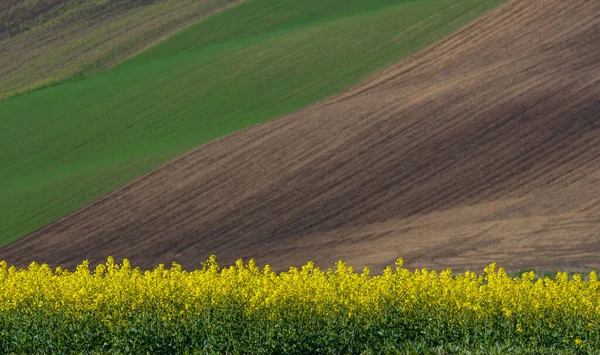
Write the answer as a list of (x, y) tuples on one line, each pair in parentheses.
[(484, 147)]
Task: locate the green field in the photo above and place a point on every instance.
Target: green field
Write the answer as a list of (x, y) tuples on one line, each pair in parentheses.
[(64, 146), (45, 41)]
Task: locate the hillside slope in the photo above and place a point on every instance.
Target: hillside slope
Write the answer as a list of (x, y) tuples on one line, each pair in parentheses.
[(484, 147), (46, 41), (64, 146)]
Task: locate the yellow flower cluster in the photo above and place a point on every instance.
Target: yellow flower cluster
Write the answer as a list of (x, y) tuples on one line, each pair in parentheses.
[(412, 304)]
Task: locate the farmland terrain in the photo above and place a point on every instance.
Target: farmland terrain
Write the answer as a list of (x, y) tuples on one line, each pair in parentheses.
[(44, 42), (483, 147), (66, 145)]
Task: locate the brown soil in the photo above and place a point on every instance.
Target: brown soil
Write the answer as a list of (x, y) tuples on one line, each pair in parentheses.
[(484, 147)]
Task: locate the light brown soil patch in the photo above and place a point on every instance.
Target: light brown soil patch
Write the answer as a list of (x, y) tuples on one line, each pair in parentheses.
[(484, 147)]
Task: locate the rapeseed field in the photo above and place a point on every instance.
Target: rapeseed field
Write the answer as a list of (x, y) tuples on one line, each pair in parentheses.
[(241, 309)]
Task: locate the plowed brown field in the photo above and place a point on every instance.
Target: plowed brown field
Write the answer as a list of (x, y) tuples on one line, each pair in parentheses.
[(484, 147)]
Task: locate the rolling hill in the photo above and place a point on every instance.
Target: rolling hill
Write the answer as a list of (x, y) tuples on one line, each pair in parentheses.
[(44, 42), (64, 146), (483, 147)]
